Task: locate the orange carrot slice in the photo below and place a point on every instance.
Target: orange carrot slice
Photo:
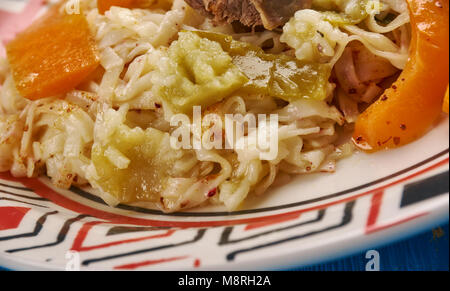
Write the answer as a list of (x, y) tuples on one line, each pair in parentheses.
[(409, 108), (53, 55)]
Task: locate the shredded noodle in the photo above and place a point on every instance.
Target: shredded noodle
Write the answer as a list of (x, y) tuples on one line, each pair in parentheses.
[(58, 136)]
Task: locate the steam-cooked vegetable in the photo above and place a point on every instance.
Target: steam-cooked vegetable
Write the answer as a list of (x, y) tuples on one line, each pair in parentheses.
[(313, 37), (407, 109), (274, 75), (131, 164), (349, 11), (52, 56), (197, 72)]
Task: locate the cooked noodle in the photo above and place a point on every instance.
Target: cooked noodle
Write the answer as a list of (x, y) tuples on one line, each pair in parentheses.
[(58, 136)]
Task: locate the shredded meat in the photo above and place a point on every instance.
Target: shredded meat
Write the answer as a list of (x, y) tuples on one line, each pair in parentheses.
[(270, 13)]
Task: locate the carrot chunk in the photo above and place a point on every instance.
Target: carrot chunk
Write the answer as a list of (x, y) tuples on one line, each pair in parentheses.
[(413, 103), (53, 55)]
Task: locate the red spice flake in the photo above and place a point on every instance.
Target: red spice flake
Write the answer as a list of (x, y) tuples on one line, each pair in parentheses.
[(386, 141), (157, 105), (184, 204), (212, 192), (396, 140), (359, 139), (384, 98), (394, 87), (403, 127)]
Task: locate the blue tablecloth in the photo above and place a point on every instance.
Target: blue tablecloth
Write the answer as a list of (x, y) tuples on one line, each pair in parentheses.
[(427, 251)]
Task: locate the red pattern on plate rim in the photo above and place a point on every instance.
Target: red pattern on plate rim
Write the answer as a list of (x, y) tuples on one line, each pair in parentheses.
[(46, 192), (11, 217)]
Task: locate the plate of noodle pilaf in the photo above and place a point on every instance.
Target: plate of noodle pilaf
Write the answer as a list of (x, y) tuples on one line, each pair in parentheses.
[(219, 134)]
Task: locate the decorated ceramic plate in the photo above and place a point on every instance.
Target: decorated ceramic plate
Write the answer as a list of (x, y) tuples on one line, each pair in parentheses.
[(369, 200)]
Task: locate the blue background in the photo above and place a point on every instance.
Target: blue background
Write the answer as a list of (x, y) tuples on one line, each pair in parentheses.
[(427, 251)]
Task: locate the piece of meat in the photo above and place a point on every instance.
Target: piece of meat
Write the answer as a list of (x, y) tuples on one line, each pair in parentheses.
[(277, 12), (270, 13)]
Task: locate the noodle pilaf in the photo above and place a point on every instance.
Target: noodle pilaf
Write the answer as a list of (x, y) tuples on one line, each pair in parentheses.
[(180, 104)]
